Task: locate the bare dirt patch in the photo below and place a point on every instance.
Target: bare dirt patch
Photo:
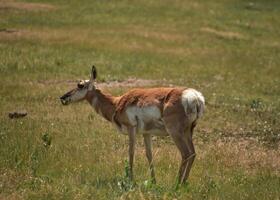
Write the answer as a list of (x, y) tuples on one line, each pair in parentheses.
[(147, 33), (11, 5), (131, 82), (223, 34), (156, 35), (9, 33), (15, 34), (18, 34)]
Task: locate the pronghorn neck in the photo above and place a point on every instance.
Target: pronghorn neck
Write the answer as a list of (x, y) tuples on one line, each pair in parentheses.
[(103, 103)]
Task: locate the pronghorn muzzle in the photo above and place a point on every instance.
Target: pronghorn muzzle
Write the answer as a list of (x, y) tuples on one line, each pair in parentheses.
[(65, 99)]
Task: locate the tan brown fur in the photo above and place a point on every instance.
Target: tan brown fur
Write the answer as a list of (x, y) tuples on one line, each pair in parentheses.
[(163, 98), (172, 110), (147, 97), (168, 100), (106, 103)]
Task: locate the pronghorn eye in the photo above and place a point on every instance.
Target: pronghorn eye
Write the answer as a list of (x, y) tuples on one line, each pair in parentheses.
[(81, 85)]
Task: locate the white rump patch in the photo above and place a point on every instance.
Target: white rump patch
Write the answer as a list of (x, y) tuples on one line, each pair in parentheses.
[(193, 102)]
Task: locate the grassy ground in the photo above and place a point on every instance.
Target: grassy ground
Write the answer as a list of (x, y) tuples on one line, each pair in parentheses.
[(228, 49)]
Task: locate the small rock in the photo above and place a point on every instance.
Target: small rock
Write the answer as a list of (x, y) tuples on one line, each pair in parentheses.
[(17, 114)]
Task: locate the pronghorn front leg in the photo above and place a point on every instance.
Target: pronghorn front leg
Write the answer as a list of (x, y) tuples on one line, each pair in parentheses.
[(148, 146), (131, 149)]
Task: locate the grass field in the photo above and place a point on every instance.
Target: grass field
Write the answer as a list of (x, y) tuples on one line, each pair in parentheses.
[(227, 49)]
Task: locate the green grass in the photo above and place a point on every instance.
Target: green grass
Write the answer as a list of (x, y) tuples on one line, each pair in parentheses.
[(228, 49)]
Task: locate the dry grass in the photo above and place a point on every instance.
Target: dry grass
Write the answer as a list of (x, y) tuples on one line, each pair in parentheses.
[(102, 39), (13, 5), (163, 35), (234, 63), (243, 153), (155, 42)]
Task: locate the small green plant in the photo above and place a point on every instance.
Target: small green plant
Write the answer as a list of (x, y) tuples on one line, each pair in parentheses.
[(125, 184), (209, 185), (179, 186), (34, 162), (47, 139), (256, 104)]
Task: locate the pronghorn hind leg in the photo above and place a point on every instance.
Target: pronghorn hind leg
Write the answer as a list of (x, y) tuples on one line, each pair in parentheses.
[(178, 138), (191, 158), (148, 147)]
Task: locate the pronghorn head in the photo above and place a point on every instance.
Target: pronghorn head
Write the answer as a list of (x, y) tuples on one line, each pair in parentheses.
[(80, 93)]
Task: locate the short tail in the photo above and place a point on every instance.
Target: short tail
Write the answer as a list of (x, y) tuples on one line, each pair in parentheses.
[(194, 104)]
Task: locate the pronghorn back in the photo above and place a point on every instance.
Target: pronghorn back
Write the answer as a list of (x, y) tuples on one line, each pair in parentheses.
[(147, 108), (149, 97)]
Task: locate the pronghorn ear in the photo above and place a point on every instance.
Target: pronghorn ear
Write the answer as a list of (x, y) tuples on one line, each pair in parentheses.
[(93, 73), (92, 78)]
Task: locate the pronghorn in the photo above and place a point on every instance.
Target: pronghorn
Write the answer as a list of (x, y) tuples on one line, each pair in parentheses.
[(155, 111)]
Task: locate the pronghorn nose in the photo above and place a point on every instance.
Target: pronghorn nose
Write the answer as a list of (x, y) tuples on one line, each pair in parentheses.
[(63, 101), (63, 98)]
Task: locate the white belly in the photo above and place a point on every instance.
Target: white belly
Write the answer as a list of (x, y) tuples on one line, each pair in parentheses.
[(146, 119)]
